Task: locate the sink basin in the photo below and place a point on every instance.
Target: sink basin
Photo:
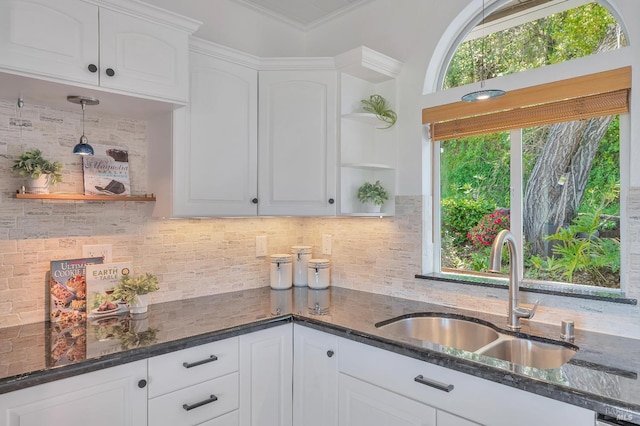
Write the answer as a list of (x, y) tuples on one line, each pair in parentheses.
[(454, 332), (530, 353)]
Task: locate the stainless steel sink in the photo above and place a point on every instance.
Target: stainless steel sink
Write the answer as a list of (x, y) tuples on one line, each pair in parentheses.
[(470, 336), (453, 332), (530, 353)]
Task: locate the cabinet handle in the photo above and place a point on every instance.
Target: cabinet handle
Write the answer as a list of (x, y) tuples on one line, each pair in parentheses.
[(330, 353), (110, 72), (197, 363), (331, 201), (434, 384), (92, 67), (209, 400), (142, 383), (254, 201)]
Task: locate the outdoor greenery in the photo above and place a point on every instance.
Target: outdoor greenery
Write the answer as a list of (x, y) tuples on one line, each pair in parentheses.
[(475, 171)]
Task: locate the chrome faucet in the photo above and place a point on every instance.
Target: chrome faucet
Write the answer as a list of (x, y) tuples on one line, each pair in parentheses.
[(495, 264)]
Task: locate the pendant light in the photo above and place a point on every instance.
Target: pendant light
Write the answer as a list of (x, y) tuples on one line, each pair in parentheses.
[(483, 94), (83, 147)]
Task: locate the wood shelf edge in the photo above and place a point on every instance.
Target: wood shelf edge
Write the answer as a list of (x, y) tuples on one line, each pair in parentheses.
[(82, 197)]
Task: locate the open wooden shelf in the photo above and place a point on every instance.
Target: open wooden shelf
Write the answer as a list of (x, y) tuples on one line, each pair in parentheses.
[(82, 197)]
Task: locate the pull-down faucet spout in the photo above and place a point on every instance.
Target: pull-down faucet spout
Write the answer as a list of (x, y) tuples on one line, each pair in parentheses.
[(515, 311)]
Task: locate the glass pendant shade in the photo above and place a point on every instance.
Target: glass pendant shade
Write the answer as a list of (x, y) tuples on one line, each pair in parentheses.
[(83, 147)]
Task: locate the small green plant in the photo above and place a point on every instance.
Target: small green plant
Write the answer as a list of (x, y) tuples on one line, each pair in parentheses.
[(379, 106), (31, 164), (131, 287), (372, 193)]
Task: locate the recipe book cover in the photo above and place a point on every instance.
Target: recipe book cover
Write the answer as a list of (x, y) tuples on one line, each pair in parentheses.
[(101, 280), (106, 172), (68, 289)]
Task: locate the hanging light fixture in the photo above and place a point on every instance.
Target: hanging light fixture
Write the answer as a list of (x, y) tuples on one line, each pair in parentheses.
[(83, 147), (483, 94)]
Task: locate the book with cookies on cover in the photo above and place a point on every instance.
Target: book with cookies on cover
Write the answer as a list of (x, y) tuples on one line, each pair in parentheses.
[(68, 288)]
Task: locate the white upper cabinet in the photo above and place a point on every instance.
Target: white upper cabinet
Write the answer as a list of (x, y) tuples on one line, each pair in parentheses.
[(297, 143), (113, 45), (56, 39), (215, 162), (139, 56)]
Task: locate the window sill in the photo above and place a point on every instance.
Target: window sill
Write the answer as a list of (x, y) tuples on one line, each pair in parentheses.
[(578, 293)]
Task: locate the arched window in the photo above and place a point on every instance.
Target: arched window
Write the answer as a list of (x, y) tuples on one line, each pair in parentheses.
[(543, 161)]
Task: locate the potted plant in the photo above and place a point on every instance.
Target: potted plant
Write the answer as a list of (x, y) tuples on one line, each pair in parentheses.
[(134, 291), (40, 172), (379, 106), (373, 195)]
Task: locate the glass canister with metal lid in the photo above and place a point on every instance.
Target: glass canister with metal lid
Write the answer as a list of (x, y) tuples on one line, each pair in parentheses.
[(281, 274), (301, 256), (318, 276)]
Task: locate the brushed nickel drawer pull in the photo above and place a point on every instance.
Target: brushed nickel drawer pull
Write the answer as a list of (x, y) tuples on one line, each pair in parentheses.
[(209, 400), (197, 363), (434, 384)]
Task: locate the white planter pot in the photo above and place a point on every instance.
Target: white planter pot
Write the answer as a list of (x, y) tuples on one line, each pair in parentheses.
[(38, 186), (372, 208), (140, 306)]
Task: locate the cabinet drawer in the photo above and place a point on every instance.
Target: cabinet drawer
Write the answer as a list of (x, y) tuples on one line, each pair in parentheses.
[(196, 404), (471, 397), (229, 419), (177, 370)]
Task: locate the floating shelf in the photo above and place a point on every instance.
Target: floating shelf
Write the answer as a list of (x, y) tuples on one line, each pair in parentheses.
[(82, 197), (364, 117), (382, 214)]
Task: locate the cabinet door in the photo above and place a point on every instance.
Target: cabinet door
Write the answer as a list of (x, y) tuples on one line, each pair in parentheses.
[(113, 396), (143, 57), (448, 419), (266, 371), (297, 143), (216, 154), (315, 373), (56, 39), (364, 404)]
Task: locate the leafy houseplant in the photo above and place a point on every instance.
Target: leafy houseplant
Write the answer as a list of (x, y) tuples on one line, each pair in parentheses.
[(32, 165), (379, 106), (134, 290), (373, 193)]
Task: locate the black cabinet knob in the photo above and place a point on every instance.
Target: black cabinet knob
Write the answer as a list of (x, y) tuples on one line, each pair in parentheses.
[(331, 201), (254, 201), (110, 72), (92, 67), (330, 353), (142, 383)]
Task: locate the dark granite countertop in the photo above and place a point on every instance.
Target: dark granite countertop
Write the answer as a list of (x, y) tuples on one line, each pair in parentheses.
[(602, 376)]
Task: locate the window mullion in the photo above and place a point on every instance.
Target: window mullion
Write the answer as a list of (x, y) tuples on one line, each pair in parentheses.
[(516, 188)]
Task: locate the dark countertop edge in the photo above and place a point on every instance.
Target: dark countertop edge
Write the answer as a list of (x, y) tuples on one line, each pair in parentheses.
[(602, 405), (480, 283), (35, 378)]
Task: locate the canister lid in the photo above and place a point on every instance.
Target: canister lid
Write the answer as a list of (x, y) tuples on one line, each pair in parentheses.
[(318, 263), (301, 249), (281, 258)]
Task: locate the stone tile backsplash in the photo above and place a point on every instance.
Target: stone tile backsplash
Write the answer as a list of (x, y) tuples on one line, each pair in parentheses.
[(198, 257)]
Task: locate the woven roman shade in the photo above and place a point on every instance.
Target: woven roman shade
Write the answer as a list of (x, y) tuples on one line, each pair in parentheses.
[(584, 97)]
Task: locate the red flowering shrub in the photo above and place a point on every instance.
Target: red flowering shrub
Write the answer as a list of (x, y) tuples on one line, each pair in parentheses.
[(488, 228)]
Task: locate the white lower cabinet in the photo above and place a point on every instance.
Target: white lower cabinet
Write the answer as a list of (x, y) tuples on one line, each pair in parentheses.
[(364, 404), (315, 377), (195, 385), (108, 397), (451, 393), (266, 377)]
